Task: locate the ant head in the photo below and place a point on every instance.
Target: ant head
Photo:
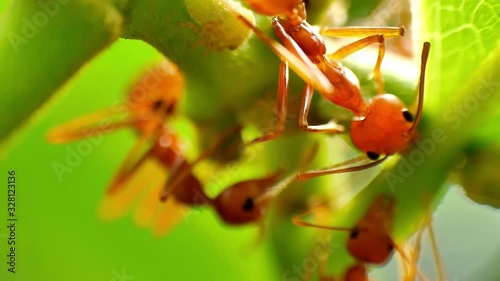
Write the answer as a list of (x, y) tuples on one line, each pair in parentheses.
[(243, 202), (369, 246), (369, 240), (156, 93), (387, 128)]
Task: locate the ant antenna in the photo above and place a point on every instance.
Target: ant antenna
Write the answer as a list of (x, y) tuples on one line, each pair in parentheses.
[(297, 220), (425, 55), (280, 186), (406, 259), (330, 170)]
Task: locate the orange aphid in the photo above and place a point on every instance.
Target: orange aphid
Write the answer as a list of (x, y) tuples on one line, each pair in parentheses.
[(382, 126)]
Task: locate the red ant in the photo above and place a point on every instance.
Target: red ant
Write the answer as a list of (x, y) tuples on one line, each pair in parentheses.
[(152, 99), (165, 204), (382, 126), (370, 242), (241, 203)]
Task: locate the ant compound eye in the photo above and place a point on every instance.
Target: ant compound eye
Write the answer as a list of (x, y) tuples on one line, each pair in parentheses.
[(390, 248), (408, 116), (372, 155), (248, 205), (354, 234), (159, 103)]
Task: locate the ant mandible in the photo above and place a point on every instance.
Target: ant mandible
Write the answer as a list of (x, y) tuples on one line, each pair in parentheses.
[(381, 126)]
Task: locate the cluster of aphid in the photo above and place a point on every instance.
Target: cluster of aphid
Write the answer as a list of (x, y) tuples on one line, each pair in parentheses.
[(382, 126)]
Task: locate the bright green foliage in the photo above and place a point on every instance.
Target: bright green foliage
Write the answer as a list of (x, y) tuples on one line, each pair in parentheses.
[(42, 44)]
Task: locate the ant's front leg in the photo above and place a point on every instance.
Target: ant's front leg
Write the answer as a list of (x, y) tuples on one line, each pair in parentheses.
[(305, 105), (282, 103)]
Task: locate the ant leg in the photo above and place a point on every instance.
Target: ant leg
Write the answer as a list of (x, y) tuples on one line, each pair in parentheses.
[(336, 170), (115, 206), (86, 126), (410, 267), (135, 158), (147, 209), (435, 252), (388, 32), (282, 103), (298, 220), (305, 106), (129, 166), (360, 44), (171, 214), (304, 68)]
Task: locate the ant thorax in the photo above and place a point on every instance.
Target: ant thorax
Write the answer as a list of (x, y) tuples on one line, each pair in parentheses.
[(306, 37), (387, 127)]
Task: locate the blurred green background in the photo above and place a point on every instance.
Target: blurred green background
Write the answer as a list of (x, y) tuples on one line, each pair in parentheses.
[(60, 237)]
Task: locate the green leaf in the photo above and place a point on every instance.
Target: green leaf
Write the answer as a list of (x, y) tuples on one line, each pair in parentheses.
[(462, 35), (43, 44)]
